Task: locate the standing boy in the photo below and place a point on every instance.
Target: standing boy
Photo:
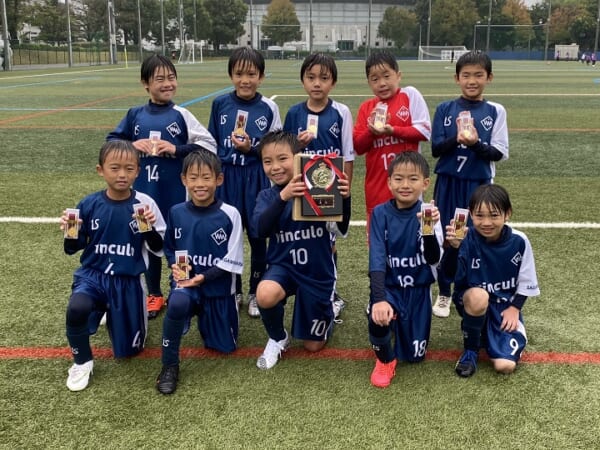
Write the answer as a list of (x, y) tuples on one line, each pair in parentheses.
[(203, 281), (403, 256), (237, 121), (115, 254), (403, 126), (494, 275), (323, 126), (469, 135), (164, 133), (300, 254)]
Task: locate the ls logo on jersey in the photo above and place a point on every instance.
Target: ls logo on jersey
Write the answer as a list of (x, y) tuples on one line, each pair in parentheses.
[(219, 236), (174, 129), (335, 130), (261, 123), (487, 123), (403, 114), (475, 263), (517, 258), (448, 121), (223, 119)]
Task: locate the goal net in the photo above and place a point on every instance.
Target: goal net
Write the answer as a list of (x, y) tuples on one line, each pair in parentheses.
[(441, 52)]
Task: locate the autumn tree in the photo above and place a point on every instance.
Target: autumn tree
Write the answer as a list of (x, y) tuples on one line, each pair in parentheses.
[(281, 23)]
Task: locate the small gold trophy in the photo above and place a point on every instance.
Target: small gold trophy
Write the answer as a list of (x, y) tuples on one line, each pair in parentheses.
[(143, 224), (312, 124), (426, 219), (72, 227), (380, 116), (464, 122), (181, 259), (460, 222), (154, 137)]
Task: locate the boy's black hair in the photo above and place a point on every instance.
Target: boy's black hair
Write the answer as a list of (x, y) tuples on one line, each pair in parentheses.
[(413, 158), (202, 157), (474, 58), (246, 57), (326, 62), (151, 63), (279, 137), (380, 58), (493, 195), (120, 147)]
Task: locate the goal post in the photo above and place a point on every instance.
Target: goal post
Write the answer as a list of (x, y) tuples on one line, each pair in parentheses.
[(441, 52)]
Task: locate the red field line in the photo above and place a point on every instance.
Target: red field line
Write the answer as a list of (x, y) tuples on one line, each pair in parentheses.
[(327, 353)]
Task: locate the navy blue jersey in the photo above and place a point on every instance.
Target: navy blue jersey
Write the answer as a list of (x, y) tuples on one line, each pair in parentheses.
[(212, 236), (263, 116), (160, 175), (109, 236), (303, 248), (503, 268), (489, 119), (396, 246), (334, 131)]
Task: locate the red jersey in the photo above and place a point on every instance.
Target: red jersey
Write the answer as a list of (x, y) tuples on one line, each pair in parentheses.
[(408, 114)]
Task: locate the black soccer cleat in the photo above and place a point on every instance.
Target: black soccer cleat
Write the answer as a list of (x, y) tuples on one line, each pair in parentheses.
[(467, 364), (166, 383)]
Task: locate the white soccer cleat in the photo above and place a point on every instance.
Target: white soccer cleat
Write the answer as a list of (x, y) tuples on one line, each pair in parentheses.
[(103, 320), (253, 310), (441, 307), (272, 352), (338, 306), (79, 376)]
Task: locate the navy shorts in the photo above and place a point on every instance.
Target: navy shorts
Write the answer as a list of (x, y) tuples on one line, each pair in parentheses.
[(123, 299), (313, 307), (218, 318), (499, 344), (412, 325)]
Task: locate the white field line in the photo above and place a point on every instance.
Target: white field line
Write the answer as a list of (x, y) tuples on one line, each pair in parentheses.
[(355, 223)]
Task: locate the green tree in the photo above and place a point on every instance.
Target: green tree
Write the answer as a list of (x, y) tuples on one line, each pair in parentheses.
[(227, 17), (398, 24), (452, 22), (281, 23), (51, 18)]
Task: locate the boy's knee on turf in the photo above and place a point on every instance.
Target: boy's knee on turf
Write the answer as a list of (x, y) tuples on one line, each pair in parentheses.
[(504, 366), (314, 346), (476, 301), (269, 293)]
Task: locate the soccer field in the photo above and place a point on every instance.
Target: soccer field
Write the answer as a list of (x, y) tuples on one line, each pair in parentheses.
[(53, 123)]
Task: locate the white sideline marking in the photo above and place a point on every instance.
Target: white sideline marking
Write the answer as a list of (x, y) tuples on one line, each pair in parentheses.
[(354, 223), (363, 223)]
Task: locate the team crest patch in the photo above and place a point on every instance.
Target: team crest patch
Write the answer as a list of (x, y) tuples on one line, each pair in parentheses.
[(516, 259), (403, 114), (174, 129), (134, 226), (335, 129), (261, 123), (219, 236), (487, 123)]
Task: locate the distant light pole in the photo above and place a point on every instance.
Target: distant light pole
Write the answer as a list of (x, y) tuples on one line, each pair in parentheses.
[(597, 29), (489, 26), (139, 18), (369, 29), (5, 37), (69, 41), (310, 28), (475, 35), (429, 24), (547, 30), (251, 24), (162, 27)]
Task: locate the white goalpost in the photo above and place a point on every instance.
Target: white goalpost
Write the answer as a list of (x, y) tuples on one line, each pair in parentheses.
[(441, 52)]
